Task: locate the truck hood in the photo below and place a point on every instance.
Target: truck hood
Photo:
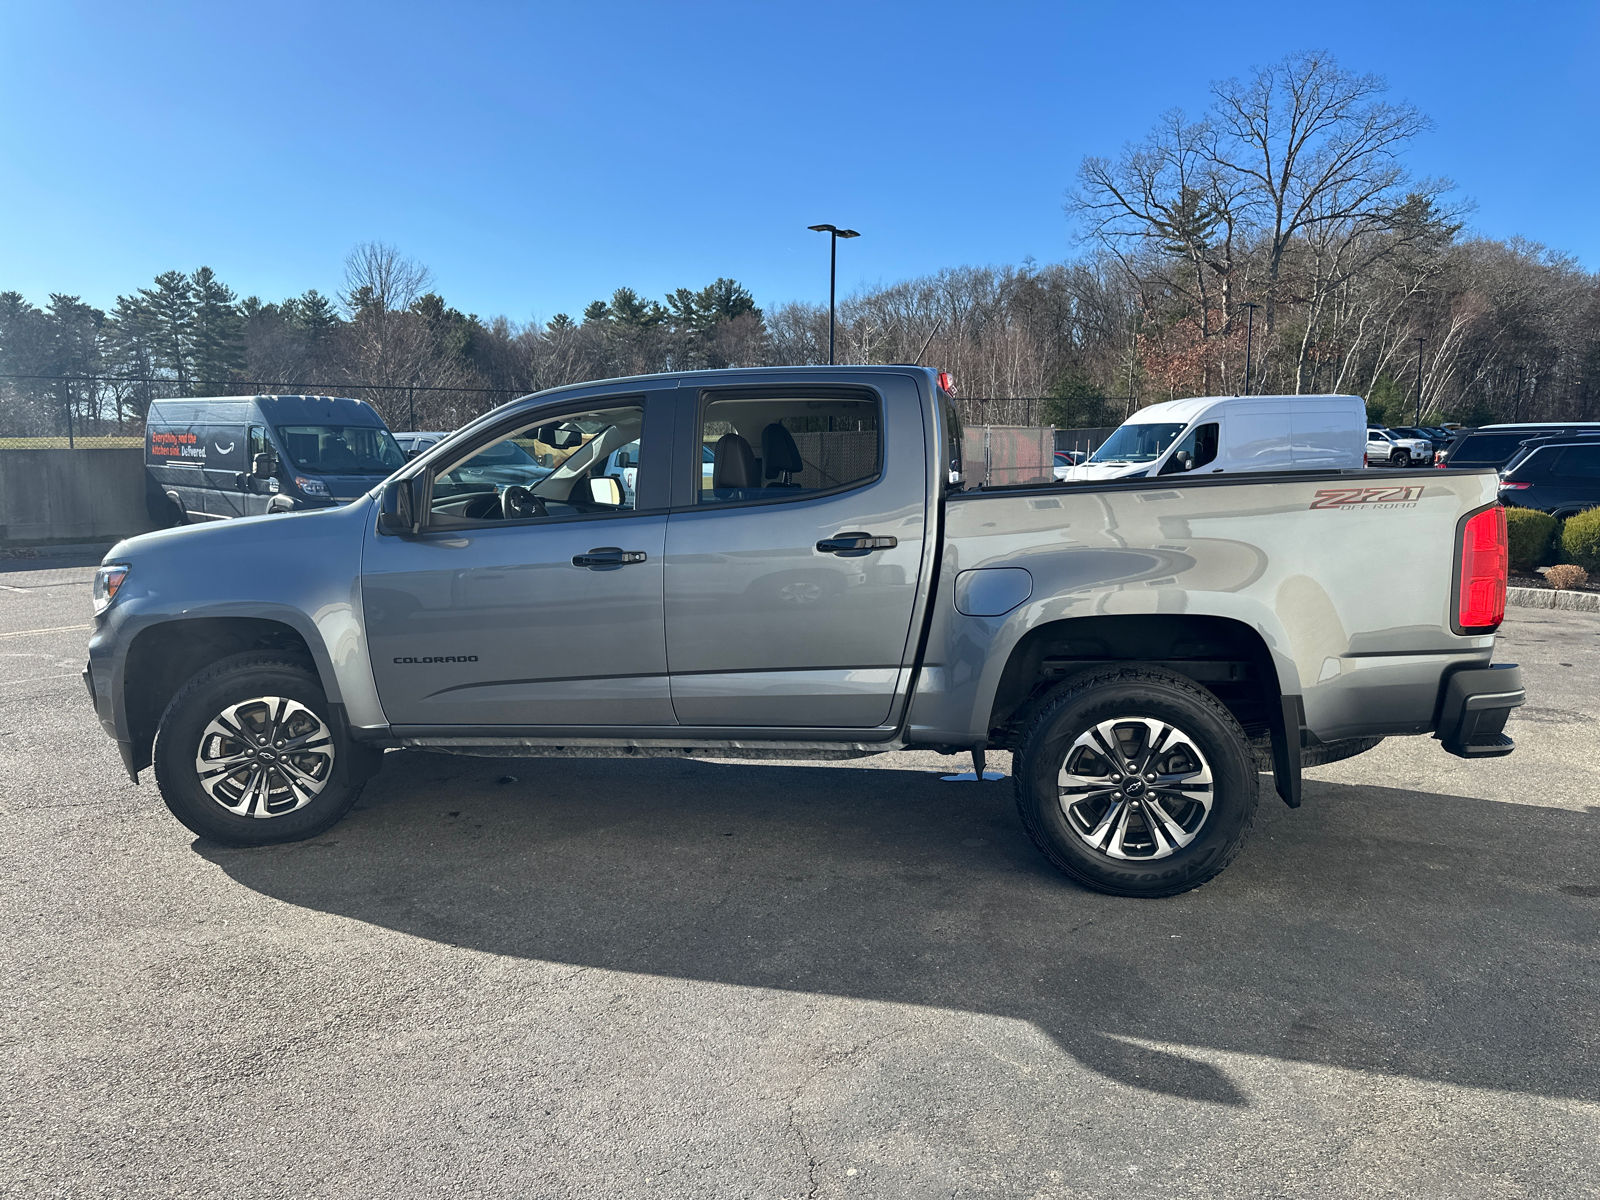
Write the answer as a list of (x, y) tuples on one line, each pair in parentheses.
[(274, 536)]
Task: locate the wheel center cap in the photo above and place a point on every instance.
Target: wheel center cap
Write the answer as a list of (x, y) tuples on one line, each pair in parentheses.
[(1134, 787), (268, 756)]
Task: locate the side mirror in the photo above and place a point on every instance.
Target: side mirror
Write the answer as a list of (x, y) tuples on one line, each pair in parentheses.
[(397, 511), (264, 466), (605, 490), (1185, 460)]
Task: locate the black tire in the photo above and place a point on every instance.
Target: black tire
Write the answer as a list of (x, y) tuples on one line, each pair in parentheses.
[(1399, 459), (1126, 695), (237, 681)]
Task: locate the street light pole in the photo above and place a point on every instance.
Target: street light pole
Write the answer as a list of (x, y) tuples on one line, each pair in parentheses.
[(1249, 337), (1419, 382), (834, 234)]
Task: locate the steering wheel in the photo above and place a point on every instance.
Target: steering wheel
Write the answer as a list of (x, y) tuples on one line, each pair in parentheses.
[(517, 502)]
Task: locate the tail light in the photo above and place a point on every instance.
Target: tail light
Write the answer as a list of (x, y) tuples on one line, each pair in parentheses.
[(947, 382), (1481, 583), (1439, 462), (1509, 485)]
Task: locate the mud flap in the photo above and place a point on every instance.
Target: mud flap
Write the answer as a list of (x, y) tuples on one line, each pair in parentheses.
[(1287, 725), (356, 762)]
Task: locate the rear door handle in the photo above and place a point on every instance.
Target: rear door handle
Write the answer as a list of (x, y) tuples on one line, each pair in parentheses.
[(608, 556), (854, 545)]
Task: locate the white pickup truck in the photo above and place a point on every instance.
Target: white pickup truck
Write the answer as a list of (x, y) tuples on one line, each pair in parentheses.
[(831, 588)]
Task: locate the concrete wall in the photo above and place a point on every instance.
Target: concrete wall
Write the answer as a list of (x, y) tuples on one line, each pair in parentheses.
[(72, 495)]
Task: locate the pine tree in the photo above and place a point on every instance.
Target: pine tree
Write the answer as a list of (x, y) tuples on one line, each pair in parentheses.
[(218, 329), (168, 313), (74, 329), (316, 315), (128, 349)]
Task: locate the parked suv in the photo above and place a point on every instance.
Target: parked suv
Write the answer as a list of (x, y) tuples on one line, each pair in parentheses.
[(1388, 446), (1495, 445), (1558, 475)]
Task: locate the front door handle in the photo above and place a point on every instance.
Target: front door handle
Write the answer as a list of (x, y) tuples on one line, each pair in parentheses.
[(854, 545), (602, 557)]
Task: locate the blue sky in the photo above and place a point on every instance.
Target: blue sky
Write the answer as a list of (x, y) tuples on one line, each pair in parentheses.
[(538, 156)]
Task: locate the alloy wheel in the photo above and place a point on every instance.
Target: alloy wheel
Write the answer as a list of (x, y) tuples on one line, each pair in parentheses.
[(265, 757), (1135, 788)]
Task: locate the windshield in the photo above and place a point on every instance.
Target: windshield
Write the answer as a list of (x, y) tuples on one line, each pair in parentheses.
[(1137, 443), (341, 449), (504, 454)]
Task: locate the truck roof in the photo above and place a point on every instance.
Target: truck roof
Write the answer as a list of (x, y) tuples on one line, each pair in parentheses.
[(278, 410)]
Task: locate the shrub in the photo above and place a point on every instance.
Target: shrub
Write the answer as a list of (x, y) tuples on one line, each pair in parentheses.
[(1528, 534), (1580, 540), (1566, 575)]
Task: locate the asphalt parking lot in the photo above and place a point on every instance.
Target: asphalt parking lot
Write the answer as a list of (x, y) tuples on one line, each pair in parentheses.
[(601, 978)]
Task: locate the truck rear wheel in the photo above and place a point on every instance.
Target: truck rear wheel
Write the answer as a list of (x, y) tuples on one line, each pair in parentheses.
[(1136, 781), (246, 755)]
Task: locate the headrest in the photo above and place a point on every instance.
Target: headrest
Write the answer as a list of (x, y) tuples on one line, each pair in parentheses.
[(778, 452), (735, 465)]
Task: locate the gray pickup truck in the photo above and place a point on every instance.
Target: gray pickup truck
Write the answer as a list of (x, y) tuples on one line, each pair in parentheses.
[(831, 587)]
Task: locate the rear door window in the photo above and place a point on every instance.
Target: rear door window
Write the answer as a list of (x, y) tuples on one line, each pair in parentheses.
[(786, 448), (1578, 463)]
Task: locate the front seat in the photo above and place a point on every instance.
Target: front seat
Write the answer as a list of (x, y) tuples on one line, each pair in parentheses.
[(734, 471), (780, 457)]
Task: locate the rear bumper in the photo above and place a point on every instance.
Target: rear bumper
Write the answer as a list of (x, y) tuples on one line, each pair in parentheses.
[(1473, 709)]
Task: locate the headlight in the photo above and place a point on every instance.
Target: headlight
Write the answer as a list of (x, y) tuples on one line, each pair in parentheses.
[(107, 583), (311, 487)]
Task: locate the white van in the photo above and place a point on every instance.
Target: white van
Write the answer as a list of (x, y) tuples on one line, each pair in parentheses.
[(1233, 433)]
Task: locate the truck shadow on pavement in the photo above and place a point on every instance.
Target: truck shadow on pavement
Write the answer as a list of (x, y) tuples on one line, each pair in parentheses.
[(1440, 938)]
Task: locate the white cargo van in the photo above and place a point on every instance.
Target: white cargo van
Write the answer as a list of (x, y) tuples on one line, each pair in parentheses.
[(1233, 433)]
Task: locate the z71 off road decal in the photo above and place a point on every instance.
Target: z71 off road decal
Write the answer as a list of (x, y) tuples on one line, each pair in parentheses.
[(1368, 497)]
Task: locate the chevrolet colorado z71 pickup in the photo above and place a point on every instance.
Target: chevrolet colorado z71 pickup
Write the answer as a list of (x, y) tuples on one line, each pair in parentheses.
[(830, 587)]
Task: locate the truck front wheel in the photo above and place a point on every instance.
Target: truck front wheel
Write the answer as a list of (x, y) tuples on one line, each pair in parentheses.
[(1136, 781), (246, 754)]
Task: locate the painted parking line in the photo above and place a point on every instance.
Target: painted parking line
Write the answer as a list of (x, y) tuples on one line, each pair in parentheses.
[(32, 632), (36, 679)]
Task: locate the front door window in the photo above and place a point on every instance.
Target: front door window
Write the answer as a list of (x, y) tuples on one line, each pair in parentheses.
[(581, 464)]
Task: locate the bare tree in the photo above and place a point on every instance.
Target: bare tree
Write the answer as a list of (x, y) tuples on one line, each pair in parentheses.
[(376, 275), (1317, 147), (1170, 194)]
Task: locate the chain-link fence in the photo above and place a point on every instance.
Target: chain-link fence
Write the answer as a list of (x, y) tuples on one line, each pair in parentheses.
[(40, 412)]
